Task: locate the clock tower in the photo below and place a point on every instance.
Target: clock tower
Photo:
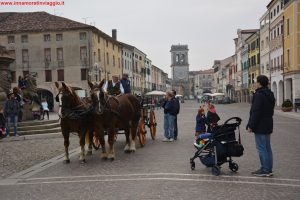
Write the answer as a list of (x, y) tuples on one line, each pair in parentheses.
[(180, 69)]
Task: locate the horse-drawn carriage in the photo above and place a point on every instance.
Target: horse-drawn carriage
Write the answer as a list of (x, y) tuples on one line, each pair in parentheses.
[(147, 120), (104, 115)]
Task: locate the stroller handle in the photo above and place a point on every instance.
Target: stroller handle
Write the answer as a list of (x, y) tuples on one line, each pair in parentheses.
[(237, 120)]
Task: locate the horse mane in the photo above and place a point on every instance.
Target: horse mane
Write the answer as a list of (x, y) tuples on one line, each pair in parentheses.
[(101, 83), (76, 97)]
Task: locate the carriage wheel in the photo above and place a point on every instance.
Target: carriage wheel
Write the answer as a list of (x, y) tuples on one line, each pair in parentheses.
[(152, 125), (142, 133), (96, 143)]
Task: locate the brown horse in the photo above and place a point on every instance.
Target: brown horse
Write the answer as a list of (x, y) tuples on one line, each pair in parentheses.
[(112, 114), (75, 117)]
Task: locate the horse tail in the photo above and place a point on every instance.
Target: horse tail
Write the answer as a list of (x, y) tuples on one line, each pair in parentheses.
[(87, 136)]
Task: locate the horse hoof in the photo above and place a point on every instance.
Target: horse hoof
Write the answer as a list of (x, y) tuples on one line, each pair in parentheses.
[(112, 158), (83, 161), (67, 161), (127, 151)]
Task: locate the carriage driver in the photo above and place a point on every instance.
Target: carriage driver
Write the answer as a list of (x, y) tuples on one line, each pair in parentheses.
[(114, 86)]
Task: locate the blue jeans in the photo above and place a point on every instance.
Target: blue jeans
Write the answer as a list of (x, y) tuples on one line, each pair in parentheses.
[(169, 125), (11, 121), (263, 146)]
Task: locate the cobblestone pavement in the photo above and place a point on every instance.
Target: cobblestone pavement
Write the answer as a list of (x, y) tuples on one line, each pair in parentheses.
[(162, 171), (19, 155)]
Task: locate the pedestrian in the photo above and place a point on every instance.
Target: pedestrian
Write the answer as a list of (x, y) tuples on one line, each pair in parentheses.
[(176, 112), (126, 84), (21, 102), (200, 128), (35, 110), (11, 110), (212, 118), (114, 86), (261, 124), (2, 123), (45, 109), (21, 83), (169, 117)]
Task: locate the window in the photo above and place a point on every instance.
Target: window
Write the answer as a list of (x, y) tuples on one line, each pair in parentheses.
[(60, 75), (82, 35), (59, 37), (25, 56), (11, 39), (47, 38), (47, 55), (114, 62), (99, 55), (281, 29), (24, 38), (107, 58), (278, 31), (274, 12), (98, 38), (48, 76), (278, 64), (258, 58), (83, 74), (278, 9), (288, 57), (119, 62), (281, 63), (60, 54), (83, 53), (288, 26), (113, 47), (13, 77), (271, 15), (25, 73), (106, 43)]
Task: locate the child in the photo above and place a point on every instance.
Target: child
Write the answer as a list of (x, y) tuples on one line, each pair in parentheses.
[(212, 118), (45, 108), (2, 124), (200, 127)]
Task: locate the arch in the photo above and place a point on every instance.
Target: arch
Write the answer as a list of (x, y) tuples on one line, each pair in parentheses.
[(48, 95), (280, 92)]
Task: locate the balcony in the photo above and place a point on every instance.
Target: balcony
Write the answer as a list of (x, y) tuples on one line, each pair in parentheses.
[(84, 62), (25, 65), (60, 63), (47, 63)]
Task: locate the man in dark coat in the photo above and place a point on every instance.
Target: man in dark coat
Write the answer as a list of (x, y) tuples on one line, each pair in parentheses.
[(261, 124), (176, 112), (126, 84)]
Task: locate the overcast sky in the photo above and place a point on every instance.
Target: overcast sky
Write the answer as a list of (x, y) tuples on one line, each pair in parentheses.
[(206, 26)]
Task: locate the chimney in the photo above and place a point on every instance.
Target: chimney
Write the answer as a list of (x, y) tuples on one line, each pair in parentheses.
[(114, 34)]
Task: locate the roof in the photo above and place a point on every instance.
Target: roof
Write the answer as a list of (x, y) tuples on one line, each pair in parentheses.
[(179, 47), (36, 22), (20, 22)]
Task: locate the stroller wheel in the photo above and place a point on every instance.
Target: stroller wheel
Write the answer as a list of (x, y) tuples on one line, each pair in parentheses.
[(215, 170), (233, 167), (192, 165)]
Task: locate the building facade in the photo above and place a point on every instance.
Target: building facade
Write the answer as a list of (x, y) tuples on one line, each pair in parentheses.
[(264, 44), (254, 61), (203, 81), (239, 43), (292, 49), (58, 49), (275, 8)]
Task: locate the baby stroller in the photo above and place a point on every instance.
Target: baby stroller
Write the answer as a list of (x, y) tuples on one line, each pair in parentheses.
[(220, 147)]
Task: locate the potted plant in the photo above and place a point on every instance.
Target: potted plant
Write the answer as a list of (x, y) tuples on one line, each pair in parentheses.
[(287, 106)]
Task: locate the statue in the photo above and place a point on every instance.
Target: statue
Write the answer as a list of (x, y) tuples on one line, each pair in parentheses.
[(30, 90), (5, 82)]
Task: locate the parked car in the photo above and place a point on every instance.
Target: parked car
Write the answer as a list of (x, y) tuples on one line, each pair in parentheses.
[(226, 100)]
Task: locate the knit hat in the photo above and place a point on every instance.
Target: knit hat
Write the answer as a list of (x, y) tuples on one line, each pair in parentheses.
[(200, 110), (212, 108)]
